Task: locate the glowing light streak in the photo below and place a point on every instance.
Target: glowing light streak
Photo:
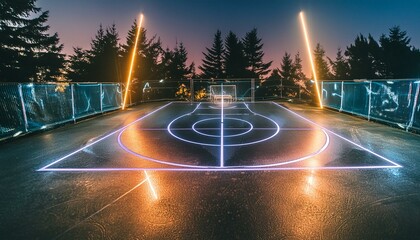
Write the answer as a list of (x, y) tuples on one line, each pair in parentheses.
[(151, 186), (358, 145), (132, 63), (17, 133), (308, 46), (102, 138), (103, 208)]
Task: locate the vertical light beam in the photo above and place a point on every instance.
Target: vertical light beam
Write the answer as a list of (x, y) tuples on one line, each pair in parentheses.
[(305, 33), (132, 63)]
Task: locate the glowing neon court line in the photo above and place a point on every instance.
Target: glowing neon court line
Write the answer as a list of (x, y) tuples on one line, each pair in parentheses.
[(358, 145), (308, 46), (102, 138), (327, 142), (151, 186), (154, 159), (132, 62), (214, 169), (195, 108), (212, 135), (226, 145), (100, 210), (210, 167)]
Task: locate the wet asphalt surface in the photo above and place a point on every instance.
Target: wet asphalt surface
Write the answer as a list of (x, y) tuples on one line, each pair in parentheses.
[(70, 200)]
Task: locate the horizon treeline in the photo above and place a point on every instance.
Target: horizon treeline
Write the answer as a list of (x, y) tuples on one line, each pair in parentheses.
[(28, 53)]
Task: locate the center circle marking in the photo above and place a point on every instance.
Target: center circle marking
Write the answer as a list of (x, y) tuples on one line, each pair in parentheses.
[(218, 121)]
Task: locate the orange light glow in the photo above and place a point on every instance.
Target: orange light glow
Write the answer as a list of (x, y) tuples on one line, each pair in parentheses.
[(302, 19), (132, 63), (151, 186)]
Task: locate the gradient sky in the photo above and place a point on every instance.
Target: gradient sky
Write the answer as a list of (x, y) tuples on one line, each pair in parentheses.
[(333, 23)]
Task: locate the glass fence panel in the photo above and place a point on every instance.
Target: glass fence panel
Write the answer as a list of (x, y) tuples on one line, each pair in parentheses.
[(87, 99), (392, 101), (331, 94), (47, 104), (356, 98), (111, 96), (28, 107), (11, 115)]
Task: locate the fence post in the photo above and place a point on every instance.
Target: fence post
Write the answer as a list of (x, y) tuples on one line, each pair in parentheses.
[(252, 89), (300, 93), (25, 119), (342, 96), (322, 92), (192, 89), (416, 97), (370, 99), (120, 86), (72, 103), (100, 96), (281, 88)]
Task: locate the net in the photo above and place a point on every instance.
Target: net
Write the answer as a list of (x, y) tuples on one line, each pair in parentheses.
[(225, 93)]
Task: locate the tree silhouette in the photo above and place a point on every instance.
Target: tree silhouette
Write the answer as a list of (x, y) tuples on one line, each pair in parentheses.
[(364, 58), (28, 52), (103, 56), (213, 60), (399, 57), (78, 65), (340, 67), (234, 58), (287, 70), (254, 55), (321, 65), (175, 63), (148, 54)]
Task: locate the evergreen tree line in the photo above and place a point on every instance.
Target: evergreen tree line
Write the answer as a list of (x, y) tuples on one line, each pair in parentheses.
[(29, 53)]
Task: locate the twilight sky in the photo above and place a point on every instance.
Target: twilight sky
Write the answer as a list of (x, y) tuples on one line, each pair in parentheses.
[(333, 23)]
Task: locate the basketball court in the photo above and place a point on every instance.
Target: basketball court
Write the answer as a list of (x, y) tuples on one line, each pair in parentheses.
[(220, 136)]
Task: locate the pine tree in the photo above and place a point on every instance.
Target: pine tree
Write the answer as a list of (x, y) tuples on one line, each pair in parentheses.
[(398, 56), (340, 67), (103, 56), (28, 52), (298, 69), (254, 55), (213, 60), (165, 64), (78, 65), (127, 51), (321, 65), (364, 58), (179, 62), (300, 78), (148, 54), (287, 70), (174, 63), (234, 58)]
